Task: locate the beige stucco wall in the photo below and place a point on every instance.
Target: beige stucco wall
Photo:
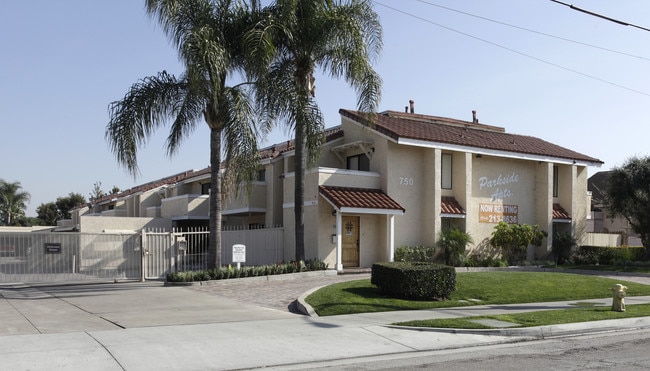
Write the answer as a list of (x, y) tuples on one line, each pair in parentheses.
[(149, 199), (99, 224), (189, 205), (406, 183), (243, 200)]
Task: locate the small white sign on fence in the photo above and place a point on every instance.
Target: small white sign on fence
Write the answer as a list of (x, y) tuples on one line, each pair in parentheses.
[(239, 253)]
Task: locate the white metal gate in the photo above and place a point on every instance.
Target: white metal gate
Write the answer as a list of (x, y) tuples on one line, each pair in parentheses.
[(69, 256), (152, 254), (156, 254)]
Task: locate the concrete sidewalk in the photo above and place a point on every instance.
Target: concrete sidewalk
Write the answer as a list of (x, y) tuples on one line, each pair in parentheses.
[(144, 326)]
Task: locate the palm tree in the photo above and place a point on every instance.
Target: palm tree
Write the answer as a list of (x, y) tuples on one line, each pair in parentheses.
[(208, 35), (341, 38), (12, 202)]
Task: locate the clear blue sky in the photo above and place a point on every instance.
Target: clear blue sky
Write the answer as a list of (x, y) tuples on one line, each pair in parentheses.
[(64, 61)]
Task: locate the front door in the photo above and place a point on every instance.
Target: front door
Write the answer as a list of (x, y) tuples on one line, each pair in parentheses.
[(350, 241)]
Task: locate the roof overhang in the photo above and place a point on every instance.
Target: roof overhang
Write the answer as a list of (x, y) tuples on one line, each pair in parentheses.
[(360, 200), (450, 208), (560, 215), (497, 153), (244, 211)]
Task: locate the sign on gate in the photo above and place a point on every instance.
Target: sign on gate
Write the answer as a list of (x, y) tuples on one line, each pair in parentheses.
[(239, 253), (52, 248)]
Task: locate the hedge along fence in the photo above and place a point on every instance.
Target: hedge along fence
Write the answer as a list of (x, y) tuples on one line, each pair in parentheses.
[(414, 281), (591, 255), (252, 271)]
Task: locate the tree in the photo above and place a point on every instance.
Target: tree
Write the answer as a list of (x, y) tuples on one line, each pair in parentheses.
[(453, 243), (514, 239), (208, 35), (12, 202), (48, 213), (627, 194), (65, 204), (341, 38), (96, 193)]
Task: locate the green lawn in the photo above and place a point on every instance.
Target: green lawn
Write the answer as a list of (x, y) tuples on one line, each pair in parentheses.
[(477, 288), (539, 318)]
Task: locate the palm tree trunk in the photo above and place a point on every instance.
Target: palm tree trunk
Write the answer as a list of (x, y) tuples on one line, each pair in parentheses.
[(214, 246), (299, 191)]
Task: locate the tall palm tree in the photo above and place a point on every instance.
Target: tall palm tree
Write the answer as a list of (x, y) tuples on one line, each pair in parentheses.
[(12, 201), (341, 38), (208, 35)]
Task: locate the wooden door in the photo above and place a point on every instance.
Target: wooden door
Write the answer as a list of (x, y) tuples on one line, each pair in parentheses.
[(350, 241)]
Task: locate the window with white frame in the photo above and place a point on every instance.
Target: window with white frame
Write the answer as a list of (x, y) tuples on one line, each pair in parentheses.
[(556, 181), (445, 171)]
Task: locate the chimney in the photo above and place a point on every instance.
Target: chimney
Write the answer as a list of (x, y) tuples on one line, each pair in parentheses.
[(474, 119), (411, 104), (406, 109)]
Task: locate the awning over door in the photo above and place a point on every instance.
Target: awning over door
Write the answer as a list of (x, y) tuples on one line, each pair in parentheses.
[(450, 208), (560, 215), (361, 200)]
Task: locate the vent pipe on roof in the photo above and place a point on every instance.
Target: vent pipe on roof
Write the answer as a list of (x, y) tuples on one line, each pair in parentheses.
[(474, 119), (411, 105), (406, 109)]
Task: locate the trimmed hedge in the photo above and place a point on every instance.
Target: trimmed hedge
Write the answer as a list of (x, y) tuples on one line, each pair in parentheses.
[(414, 281), (592, 255), (251, 271), (414, 254)]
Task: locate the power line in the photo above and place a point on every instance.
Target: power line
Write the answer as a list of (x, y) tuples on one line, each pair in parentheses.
[(601, 16), (513, 50), (535, 32)]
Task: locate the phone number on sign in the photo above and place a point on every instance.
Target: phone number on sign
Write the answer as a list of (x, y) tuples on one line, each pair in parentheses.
[(512, 219)]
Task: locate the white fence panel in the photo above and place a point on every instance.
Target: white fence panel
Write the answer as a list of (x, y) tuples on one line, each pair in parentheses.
[(263, 246), (602, 239), (61, 256), (73, 256)]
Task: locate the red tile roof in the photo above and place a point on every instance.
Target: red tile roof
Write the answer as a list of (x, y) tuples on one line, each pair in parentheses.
[(449, 205), (173, 179), (435, 129), (363, 198), (559, 213), (280, 148)]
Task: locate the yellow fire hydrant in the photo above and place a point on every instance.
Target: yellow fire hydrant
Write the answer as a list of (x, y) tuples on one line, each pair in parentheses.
[(618, 296)]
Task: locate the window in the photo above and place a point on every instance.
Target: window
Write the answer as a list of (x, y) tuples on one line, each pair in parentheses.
[(261, 175), (358, 162), (205, 188), (556, 182), (445, 171)]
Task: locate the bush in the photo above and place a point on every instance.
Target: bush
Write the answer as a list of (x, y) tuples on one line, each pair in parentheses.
[(476, 261), (453, 243), (414, 254), (414, 281), (252, 271), (563, 246), (592, 255), (514, 239)]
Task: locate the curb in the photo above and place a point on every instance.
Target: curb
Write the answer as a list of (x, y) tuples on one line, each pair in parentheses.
[(302, 305), (549, 331)]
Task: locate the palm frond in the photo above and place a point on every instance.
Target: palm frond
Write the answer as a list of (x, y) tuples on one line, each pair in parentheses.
[(147, 105)]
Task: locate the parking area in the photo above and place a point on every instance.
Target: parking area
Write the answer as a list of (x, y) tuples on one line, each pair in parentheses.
[(55, 308)]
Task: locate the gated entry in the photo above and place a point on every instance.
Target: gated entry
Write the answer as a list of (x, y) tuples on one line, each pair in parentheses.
[(62, 256), (151, 254), (165, 252)]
